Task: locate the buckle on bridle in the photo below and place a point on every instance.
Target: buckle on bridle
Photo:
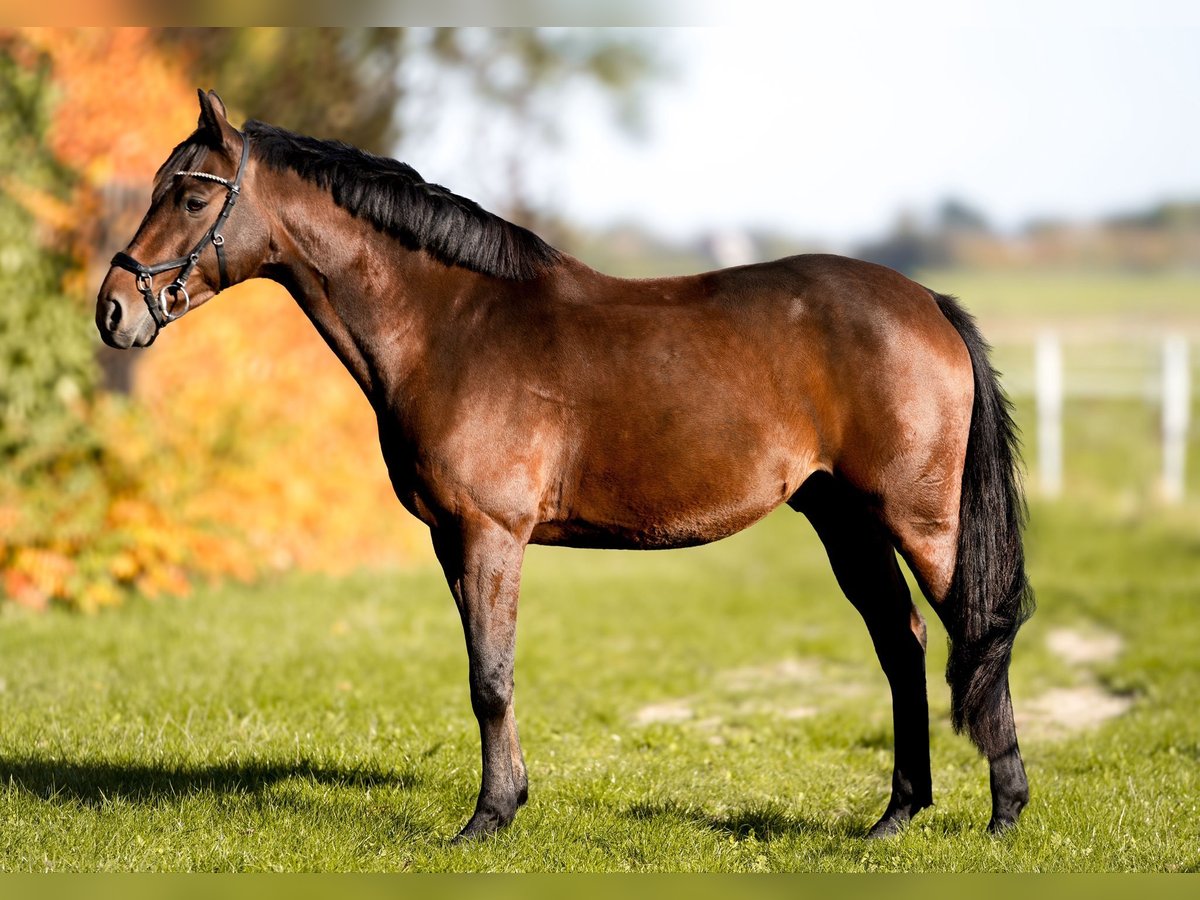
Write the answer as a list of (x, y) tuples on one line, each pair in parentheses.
[(164, 301)]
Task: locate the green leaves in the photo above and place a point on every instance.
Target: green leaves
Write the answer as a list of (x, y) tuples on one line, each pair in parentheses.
[(46, 361)]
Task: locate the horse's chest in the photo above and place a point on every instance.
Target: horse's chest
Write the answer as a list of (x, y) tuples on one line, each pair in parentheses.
[(405, 475), (438, 480)]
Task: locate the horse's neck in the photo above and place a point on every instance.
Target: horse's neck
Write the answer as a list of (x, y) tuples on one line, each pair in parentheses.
[(371, 299)]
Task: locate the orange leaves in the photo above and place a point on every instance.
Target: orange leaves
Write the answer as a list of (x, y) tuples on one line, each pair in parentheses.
[(132, 535), (282, 446), (20, 589), (35, 576), (246, 446), (119, 106), (42, 205), (124, 566), (122, 103)]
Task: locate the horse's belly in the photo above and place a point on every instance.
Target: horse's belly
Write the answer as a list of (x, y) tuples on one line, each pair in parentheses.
[(677, 480), (666, 510), (662, 534)]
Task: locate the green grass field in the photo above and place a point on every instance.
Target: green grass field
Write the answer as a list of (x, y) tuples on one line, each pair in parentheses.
[(715, 709), (1076, 298)]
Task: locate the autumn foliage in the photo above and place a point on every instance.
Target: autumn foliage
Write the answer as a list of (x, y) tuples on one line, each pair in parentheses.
[(244, 447), (288, 449), (104, 133)]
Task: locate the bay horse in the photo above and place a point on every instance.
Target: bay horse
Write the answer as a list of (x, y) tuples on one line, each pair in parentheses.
[(523, 397)]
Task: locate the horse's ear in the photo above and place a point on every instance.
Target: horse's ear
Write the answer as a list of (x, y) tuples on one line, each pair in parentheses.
[(213, 118)]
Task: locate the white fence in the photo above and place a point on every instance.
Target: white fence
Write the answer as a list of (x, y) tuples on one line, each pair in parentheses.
[(1170, 386)]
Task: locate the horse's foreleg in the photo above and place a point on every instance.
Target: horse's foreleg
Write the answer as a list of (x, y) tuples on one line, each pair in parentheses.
[(482, 563), (864, 561)]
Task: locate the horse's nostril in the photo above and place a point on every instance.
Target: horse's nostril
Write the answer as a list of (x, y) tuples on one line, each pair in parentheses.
[(113, 316)]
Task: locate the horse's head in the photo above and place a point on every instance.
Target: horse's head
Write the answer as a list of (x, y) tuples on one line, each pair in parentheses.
[(202, 232)]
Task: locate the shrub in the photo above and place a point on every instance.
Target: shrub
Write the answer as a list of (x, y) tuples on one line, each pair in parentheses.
[(245, 446)]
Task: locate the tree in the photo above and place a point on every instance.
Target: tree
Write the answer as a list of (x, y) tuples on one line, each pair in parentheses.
[(526, 76), (906, 248), (45, 349), (327, 82), (352, 83), (954, 216)]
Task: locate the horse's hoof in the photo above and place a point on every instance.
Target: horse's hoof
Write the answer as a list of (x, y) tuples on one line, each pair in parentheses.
[(1000, 826), (473, 832), (481, 825), (889, 826), (897, 816), (1005, 812)]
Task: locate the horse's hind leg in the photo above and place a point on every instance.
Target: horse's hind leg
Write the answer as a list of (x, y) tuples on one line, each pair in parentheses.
[(864, 561), (482, 563), (931, 556)]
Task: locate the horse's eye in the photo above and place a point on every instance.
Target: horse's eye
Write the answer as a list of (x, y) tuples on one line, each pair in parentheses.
[(195, 204)]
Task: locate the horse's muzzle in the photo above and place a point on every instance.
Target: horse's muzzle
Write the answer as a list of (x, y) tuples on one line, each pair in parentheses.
[(124, 323)]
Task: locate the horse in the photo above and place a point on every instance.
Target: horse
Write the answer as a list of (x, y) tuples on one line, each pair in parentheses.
[(523, 397)]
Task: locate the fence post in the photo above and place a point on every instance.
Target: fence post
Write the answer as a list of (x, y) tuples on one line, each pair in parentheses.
[(1048, 371), (1176, 385)]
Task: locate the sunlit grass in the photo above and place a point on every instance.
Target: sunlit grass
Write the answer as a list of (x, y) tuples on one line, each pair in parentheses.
[(1077, 298), (322, 724)]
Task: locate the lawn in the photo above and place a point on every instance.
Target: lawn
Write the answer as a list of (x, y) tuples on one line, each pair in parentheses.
[(1091, 299), (715, 709)]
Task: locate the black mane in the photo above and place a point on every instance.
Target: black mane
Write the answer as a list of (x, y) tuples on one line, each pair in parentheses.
[(395, 199)]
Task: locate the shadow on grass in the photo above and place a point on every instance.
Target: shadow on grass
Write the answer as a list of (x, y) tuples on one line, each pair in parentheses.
[(95, 782), (770, 821), (760, 822)]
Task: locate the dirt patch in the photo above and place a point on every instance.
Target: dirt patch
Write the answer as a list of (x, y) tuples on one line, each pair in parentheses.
[(785, 689), (786, 671), (1061, 712), (1081, 648), (800, 712), (800, 688), (672, 713)]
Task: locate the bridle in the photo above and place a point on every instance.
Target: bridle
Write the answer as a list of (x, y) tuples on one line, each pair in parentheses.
[(161, 305)]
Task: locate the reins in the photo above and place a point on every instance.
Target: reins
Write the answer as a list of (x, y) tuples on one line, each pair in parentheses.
[(160, 305)]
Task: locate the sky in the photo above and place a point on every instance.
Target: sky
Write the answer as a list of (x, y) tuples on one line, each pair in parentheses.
[(827, 127)]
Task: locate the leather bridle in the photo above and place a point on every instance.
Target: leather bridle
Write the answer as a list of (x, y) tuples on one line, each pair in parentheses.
[(161, 305)]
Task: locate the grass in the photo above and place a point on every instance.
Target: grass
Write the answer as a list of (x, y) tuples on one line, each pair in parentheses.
[(1075, 298), (318, 724)]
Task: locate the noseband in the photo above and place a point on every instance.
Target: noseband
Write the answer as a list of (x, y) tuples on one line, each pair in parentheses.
[(160, 305)]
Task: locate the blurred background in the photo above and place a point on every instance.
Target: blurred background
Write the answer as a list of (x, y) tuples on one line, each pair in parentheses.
[(1047, 176)]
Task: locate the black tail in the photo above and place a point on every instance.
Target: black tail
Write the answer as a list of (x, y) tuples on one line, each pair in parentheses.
[(989, 596)]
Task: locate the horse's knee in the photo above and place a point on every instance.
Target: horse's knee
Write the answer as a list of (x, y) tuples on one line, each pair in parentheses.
[(491, 692)]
